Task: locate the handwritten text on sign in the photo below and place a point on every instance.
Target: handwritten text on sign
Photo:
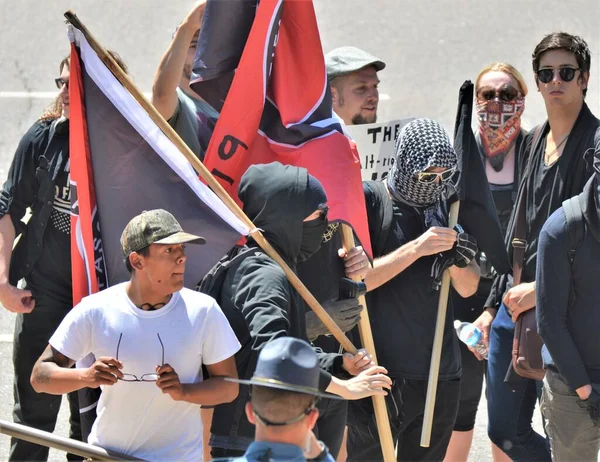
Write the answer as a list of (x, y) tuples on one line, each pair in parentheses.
[(375, 143)]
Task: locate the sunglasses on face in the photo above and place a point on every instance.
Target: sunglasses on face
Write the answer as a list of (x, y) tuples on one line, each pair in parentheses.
[(431, 177), (60, 82), (566, 74), (506, 94)]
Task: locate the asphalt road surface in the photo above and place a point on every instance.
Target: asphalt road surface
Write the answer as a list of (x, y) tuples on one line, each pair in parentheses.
[(430, 47)]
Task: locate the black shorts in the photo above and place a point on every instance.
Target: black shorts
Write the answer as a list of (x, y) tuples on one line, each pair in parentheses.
[(471, 386)]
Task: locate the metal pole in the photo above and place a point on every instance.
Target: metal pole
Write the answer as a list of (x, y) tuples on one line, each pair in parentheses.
[(33, 435)]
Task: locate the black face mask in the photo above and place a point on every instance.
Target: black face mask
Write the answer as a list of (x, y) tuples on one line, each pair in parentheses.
[(312, 235)]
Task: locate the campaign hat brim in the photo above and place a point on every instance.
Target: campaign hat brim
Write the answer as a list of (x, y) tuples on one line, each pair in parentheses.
[(269, 383)]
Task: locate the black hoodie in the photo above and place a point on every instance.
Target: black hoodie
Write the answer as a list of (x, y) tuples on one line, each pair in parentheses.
[(275, 198), (567, 293)]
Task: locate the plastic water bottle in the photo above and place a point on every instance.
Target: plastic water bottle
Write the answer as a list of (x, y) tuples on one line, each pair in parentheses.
[(471, 336)]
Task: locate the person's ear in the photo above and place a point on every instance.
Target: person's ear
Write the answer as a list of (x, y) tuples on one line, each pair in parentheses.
[(585, 78), (250, 414), (136, 260), (334, 95), (311, 419)]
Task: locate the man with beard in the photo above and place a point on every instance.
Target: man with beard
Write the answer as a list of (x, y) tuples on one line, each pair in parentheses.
[(190, 116), (352, 75), (290, 206), (403, 295), (39, 180), (555, 167)]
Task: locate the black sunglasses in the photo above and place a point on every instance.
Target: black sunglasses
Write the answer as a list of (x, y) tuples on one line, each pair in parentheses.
[(506, 94), (152, 377), (60, 82), (566, 74)]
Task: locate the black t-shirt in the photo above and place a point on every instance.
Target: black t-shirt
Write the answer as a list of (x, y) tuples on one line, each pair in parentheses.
[(403, 311), (52, 272)]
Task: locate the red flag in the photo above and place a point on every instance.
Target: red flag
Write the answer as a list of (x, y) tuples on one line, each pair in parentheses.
[(88, 268), (279, 108)]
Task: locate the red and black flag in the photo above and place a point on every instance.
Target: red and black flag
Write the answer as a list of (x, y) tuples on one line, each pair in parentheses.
[(477, 209), (122, 164), (278, 106)]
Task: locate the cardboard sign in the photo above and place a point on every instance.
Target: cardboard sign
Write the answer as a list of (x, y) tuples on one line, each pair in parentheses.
[(376, 143)]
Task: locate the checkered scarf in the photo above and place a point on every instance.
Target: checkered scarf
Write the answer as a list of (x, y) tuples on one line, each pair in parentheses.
[(422, 143)]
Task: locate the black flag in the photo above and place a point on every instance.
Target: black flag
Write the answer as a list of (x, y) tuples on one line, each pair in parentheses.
[(477, 208)]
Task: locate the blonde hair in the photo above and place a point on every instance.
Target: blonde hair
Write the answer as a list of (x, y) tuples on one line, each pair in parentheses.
[(54, 110), (507, 69)]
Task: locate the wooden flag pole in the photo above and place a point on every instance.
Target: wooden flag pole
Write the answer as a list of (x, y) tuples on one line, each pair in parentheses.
[(438, 338), (366, 336), (216, 187)]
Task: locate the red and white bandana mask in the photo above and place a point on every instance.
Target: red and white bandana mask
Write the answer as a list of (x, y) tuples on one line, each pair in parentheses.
[(499, 125)]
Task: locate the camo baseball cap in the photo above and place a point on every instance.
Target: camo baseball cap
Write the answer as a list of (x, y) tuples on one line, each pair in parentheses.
[(344, 60), (155, 227)]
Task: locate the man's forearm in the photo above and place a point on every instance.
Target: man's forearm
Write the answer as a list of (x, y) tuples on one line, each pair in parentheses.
[(210, 392), (7, 238), (170, 70), (50, 378), (389, 266), (465, 280)]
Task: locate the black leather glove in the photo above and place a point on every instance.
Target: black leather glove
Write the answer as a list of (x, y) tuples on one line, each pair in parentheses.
[(460, 255), (465, 248), (345, 313), (592, 404)]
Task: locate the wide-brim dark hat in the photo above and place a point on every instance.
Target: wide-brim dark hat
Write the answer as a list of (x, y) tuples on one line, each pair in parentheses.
[(289, 364)]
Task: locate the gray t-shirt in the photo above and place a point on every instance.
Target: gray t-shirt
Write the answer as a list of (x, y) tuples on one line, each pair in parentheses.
[(194, 120)]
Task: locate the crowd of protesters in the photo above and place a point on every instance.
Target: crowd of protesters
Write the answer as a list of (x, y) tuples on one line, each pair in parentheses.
[(251, 348)]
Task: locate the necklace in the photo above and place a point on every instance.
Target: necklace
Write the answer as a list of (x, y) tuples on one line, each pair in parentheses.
[(552, 158)]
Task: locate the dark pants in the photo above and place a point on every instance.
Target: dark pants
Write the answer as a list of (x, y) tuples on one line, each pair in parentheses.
[(510, 407), (471, 385), (573, 435), (225, 453), (363, 438), (331, 424), (38, 410)]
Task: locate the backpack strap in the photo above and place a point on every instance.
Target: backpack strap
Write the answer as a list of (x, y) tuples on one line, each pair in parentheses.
[(384, 217), (576, 230), (575, 224)]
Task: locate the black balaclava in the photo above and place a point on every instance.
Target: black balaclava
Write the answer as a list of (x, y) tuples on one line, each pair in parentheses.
[(312, 231), (422, 143)]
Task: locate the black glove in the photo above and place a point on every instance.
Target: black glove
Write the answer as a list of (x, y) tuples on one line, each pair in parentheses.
[(345, 313), (464, 251), (592, 404), (465, 248)]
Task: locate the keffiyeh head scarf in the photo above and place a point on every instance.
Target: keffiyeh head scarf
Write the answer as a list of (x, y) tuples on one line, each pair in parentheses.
[(422, 143)]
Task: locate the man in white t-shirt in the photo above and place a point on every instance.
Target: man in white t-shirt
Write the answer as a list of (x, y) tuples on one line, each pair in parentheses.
[(151, 337)]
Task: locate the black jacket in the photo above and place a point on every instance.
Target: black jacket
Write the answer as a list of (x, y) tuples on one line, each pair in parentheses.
[(30, 183), (574, 170), (273, 197), (567, 289)]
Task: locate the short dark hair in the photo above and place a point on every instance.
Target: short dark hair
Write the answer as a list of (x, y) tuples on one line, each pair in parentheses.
[(144, 252), (279, 405), (565, 42)]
